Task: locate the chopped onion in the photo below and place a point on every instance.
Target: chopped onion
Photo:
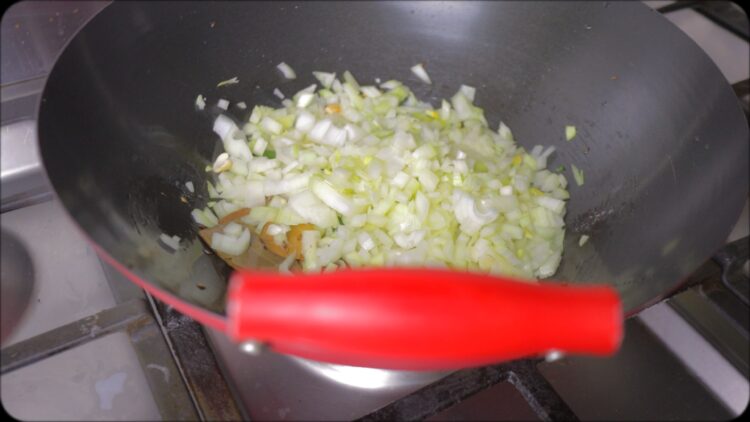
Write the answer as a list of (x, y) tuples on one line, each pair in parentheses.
[(325, 78), (371, 91), (305, 122), (390, 85), (309, 207), (468, 91), (205, 217), (189, 186), (232, 229), (552, 204), (172, 241), (277, 92), (241, 105), (222, 163), (504, 132), (231, 245), (310, 89), (365, 240), (318, 132), (287, 185), (223, 104), (286, 70), (223, 126), (260, 146), (570, 132), (305, 99), (271, 125), (231, 81), (418, 70), (330, 197), (582, 241), (200, 102), (287, 262), (577, 174), (386, 179)]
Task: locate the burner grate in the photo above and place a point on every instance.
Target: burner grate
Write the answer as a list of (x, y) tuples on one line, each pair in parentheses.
[(451, 390)]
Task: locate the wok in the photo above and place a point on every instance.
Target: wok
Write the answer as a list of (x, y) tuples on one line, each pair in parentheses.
[(661, 137)]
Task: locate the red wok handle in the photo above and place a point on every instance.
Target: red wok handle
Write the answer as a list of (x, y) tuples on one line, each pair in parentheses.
[(420, 319)]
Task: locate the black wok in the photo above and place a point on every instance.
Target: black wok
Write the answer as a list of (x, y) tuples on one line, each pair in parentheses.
[(661, 137)]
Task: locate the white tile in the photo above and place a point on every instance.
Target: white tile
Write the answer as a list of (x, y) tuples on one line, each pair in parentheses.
[(730, 53), (69, 283), (101, 380)]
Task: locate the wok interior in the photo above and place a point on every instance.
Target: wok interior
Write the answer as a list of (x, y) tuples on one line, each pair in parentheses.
[(660, 139)]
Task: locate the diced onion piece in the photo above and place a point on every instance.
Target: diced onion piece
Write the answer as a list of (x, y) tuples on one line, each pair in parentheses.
[(253, 194), (172, 241), (223, 104), (310, 89), (326, 79), (409, 241), (206, 219), (400, 180), (271, 125), (504, 131), (286, 185), (277, 92), (428, 180), (312, 209), (262, 165), (334, 136), (418, 70), (260, 146), (305, 99), (319, 130), (224, 126), (230, 81), (468, 215), (462, 105), (305, 122), (232, 229), (390, 85), (371, 91), (241, 105), (275, 229), (222, 163), (577, 174), (200, 102), (189, 186), (468, 91), (286, 70), (552, 204), (230, 245), (353, 132), (365, 241), (330, 197), (287, 262), (570, 132), (582, 241)]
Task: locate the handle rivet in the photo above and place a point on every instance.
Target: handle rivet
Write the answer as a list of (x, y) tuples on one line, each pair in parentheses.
[(553, 355), (252, 347)]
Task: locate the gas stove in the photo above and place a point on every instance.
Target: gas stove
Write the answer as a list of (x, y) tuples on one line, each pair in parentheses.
[(93, 346)]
